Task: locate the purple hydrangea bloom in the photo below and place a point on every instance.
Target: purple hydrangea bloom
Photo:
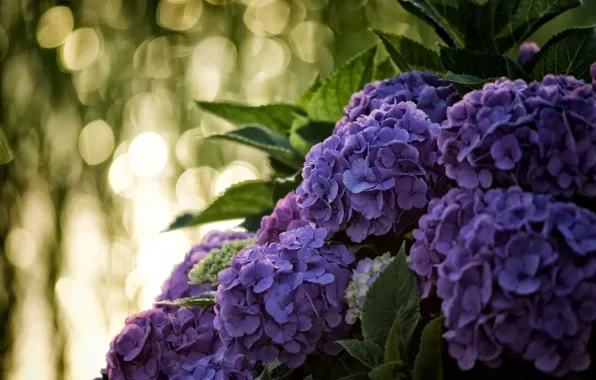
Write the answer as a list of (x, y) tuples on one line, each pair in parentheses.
[(366, 273), (284, 300), (177, 285), (527, 51), (379, 174), (431, 94), (214, 367), (516, 273), (285, 217), (156, 345), (540, 136)]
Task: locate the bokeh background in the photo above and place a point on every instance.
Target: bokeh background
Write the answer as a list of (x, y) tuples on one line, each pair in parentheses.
[(97, 100)]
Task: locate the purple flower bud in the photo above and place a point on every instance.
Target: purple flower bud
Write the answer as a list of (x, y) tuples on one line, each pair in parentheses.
[(527, 50)]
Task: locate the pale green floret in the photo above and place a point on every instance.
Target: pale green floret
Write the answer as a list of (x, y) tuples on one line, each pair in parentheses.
[(206, 270)]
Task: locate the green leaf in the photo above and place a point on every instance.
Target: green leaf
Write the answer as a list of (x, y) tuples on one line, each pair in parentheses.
[(276, 146), (277, 117), (5, 152), (410, 55), (394, 293), (369, 354), (428, 364), (392, 349), (181, 221), (274, 371), (305, 133), (465, 83), (384, 69), (418, 11), (253, 222), (357, 376), (307, 95), (480, 64), (328, 101), (282, 186), (570, 53), (389, 371), (238, 201), (203, 300), (521, 18), (455, 17)]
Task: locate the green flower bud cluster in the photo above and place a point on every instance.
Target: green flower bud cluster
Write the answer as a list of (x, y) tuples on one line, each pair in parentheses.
[(206, 270)]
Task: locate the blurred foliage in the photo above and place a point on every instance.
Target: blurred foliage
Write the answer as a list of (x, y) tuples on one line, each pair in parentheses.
[(98, 103)]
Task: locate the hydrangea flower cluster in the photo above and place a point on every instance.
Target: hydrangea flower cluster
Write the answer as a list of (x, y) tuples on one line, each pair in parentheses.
[(284, 300), (184, 345), (207, 269), (516, 273), (540, 136), (363, 277), (285, 217), (527, 51), (177, 285), (379, 174), (428, 91)]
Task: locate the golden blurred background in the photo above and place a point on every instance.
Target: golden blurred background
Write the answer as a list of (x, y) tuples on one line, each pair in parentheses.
[(97, 100)]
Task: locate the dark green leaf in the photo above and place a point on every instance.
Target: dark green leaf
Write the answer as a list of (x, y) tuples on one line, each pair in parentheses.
[(277, 117), (389, 371), (280, 169), (369, 354), (419, 12), (203, 300), (253, 222), (394, 293), (428, 364), (274, 371), (181, 221), (410, 55), (357, 376), (521, 18), (392, 349), (5, 152), (258, 137), (570, 53), (465, 83), (480, 64), (455, 17), (328, 101), (238, 201), (384, 69), (282, 186), (306, 133), (310, 91)]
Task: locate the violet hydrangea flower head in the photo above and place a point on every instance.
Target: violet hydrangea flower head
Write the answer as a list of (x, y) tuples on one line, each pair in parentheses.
[(431, 94), (363, 277), (540, 136), (378, 175), (527, 51), (284, 300), (156, 345), (177, 285), (516, 275), (285, 217)]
